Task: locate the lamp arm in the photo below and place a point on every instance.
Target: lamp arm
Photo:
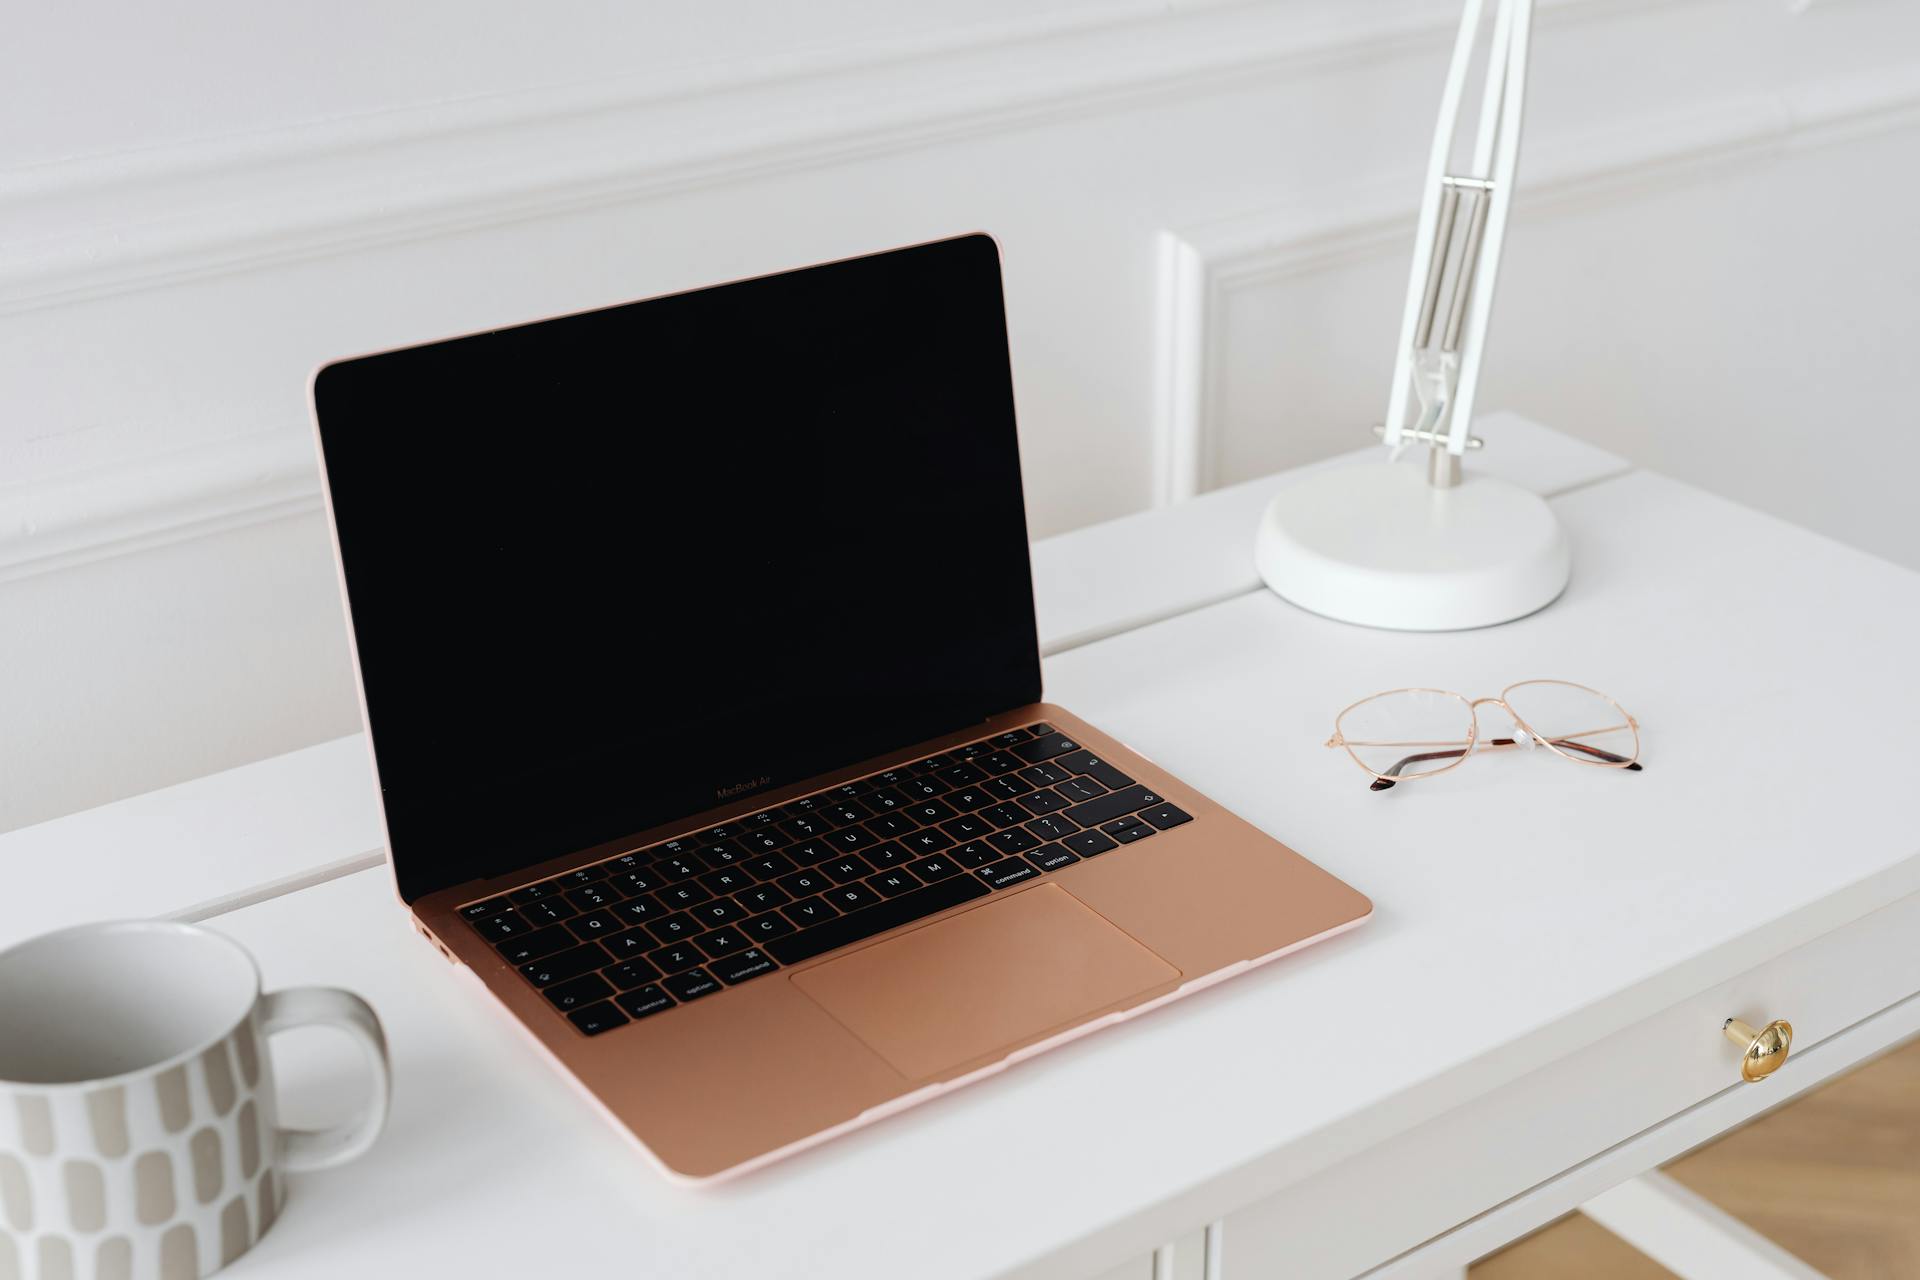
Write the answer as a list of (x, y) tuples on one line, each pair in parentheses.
[(1506, 160), (1423, 236), (1448, 373)]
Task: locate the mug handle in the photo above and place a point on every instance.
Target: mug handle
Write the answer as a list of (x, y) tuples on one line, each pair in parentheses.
[(302, 1149)]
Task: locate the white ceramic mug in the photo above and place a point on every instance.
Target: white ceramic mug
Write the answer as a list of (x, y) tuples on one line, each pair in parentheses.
[(138, 1135)]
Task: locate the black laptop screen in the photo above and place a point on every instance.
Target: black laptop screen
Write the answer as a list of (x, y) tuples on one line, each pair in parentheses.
[(613, 569)]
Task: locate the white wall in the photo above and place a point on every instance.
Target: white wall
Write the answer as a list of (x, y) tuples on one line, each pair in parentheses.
[(1206, 211)]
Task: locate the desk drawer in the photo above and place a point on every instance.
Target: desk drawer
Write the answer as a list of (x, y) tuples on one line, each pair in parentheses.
[(1499, 1146)]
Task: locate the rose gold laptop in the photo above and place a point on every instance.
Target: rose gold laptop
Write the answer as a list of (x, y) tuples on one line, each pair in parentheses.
[(696, 642)]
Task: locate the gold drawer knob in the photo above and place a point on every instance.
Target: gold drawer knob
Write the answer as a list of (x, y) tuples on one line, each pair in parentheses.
[(1761, 1052)]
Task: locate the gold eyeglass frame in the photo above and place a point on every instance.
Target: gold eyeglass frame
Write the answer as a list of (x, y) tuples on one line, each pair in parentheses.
[(1561, 746)]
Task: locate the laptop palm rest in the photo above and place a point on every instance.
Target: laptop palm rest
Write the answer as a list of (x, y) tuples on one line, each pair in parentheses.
[(984, 981)]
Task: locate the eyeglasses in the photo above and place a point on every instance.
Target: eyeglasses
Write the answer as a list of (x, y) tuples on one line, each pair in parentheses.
[(1416, 733)]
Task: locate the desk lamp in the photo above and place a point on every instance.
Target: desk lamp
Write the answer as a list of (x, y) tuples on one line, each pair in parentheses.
[(1390, 544)]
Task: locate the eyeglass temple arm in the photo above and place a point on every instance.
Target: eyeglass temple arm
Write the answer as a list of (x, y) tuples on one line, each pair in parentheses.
[(1383, 783)]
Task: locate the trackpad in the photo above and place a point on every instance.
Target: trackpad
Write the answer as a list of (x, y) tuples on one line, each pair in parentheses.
[(983, 981)]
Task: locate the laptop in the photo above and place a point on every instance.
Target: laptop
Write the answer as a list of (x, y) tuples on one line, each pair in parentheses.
[(695, 639)]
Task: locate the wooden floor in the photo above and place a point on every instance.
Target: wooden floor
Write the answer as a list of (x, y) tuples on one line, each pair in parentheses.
[(1833, 1177)]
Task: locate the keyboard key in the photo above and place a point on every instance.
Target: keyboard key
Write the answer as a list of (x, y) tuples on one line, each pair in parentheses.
[(960, 775), (973, 750), (924, 787), (723, 832), (883, 800), (579, 992), (691, 985), (688, 893), (802, 884), (765, 840), (938, 867), (598, 924), (596, 1018), (565, 965), (1014, 840), (1046, 747), (1045, 801), (625, 946), (723, 941), (742, 966), (1006, 788), (808, 852), (968, 798), (1113, 805), (533, 893), (805, 827), (719, 911), (633, 882), (1052, 828), (482, 910), (728, 853), (997, 762), (674, 928), (1078, 789), (541, 942), (1099, 770), (683, 868), (638, 911), (770, 925), (676, 848), (586, 875), (888, 853), (1126, 832), (1005, 815), (847, 812), (765, 818), (644, 1002), (1044, 775), (849, 868), (929, 811), (809, 911), (1088, 843), (593, 896), (1009, 871), (763, 898), (729, 880), (851, 897), (677, 958), (887, 825), (1010, 737), (1040, 730), (890, 914), (968, 826), (632, 973), (893, 883), (848, 839), (928, 841), (505, 926), (1051, 857), (975, 853), (1166, 815)]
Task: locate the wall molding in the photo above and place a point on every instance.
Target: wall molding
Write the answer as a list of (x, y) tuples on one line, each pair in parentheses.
[(92, 515), (1201, 267), (104, 224)]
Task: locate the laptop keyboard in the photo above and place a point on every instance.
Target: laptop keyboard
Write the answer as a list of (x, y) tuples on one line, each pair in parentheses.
[(689, 917)]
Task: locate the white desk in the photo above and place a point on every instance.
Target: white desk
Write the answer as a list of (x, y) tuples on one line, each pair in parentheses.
[(1532, 1016)]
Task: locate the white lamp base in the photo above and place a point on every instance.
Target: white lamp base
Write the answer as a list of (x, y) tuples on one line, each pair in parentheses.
[(1374, 543)]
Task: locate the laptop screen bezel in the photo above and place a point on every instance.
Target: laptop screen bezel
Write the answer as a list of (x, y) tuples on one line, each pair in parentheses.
[(419, 867)]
